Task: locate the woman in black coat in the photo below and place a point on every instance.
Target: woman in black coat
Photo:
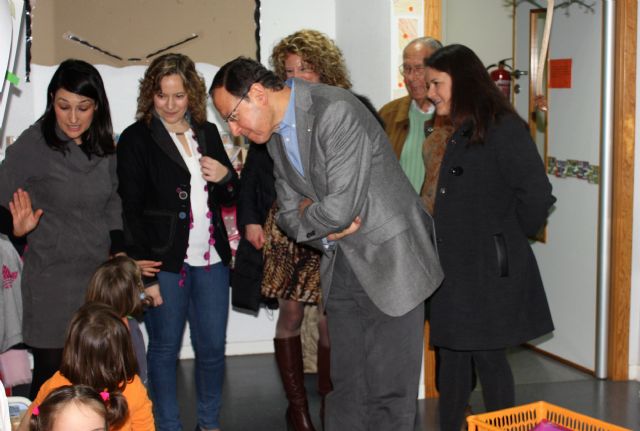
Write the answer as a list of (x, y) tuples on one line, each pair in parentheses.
[(492, 194), (174, 175)]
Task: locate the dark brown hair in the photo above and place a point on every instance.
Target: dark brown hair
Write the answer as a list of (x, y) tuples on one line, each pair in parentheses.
[(98, 351), (81, 395), (475, 98), (118, 283)]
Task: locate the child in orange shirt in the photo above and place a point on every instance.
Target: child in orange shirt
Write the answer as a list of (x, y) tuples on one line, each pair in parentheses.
[(98, 353), (78, 408)]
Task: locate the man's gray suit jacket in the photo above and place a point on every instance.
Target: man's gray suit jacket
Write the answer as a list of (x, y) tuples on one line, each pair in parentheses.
[(350, 170)]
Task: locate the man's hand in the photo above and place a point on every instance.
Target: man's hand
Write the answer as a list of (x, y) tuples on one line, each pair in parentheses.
[(212, 170), (255, 235), (353, 227)]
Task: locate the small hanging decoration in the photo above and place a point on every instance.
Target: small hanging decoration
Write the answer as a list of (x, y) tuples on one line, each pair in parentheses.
[(74, 38), (28, 39)]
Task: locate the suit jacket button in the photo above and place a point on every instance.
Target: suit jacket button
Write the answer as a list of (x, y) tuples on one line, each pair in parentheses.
[(310, 234), (443, 190)]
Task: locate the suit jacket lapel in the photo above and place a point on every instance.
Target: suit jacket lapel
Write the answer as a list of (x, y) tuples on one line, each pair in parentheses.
[(294, 179), (163, 139), (304, 124)]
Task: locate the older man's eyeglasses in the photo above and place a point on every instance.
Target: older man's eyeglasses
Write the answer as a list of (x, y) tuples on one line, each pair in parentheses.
[(408, 70)]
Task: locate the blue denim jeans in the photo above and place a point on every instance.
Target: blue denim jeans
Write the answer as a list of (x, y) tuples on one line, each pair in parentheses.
[(204, 302)]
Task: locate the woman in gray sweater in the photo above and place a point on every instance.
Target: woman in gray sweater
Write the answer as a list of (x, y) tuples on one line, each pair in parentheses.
[(59, 181)]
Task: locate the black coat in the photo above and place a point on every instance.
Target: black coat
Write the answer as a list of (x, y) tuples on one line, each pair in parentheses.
[(257, 194), (491, 197), (258, 191), (152, 175)]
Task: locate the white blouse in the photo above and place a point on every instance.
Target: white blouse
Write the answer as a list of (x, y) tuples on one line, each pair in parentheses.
[(199, 233)]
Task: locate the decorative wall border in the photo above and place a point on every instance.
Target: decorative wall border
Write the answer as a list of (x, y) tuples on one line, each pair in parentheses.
[(573, 169)]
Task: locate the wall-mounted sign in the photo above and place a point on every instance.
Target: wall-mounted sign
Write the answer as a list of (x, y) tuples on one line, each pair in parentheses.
[(560, 73)]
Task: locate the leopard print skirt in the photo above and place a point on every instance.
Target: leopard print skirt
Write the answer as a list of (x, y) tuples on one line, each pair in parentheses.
[(291, 271)]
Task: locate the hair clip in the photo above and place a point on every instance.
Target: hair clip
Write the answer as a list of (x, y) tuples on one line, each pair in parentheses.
[(35, 411), (105, 395)]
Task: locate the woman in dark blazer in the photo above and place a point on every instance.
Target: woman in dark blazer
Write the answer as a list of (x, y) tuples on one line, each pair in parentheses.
[(492, 194), (174, 175)]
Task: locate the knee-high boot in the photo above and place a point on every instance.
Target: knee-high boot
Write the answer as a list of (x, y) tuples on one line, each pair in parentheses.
[(289, 359), (324, 377)]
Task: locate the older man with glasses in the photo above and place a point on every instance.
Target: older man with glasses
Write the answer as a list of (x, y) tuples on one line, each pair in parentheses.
[(405, 118)]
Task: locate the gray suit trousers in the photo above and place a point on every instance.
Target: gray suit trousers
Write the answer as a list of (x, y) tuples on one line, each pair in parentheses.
[(375, 359)]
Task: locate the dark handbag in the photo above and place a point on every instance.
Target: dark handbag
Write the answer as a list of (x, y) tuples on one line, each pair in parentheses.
[(246, 278)]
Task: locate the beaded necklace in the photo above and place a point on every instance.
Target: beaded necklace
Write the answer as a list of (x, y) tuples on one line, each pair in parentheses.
[(209, 214)]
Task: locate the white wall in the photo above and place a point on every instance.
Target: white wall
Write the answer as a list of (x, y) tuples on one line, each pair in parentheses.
[(366, 45), (278, 18), (484, 26)]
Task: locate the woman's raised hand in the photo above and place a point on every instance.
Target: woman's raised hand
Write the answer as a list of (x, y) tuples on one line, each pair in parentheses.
[(25, 219)]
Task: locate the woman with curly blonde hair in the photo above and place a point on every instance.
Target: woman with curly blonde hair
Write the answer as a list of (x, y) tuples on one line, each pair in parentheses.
[(174, 175), (313, 56)]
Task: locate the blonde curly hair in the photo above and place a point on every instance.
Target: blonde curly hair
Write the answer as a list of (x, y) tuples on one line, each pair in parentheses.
[(316, 49), (173, 64)]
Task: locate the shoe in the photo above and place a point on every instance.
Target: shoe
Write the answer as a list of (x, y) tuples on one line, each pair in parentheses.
[(289, 359)]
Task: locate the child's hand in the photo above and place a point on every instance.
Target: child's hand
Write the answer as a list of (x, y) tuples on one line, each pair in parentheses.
[(149, 268), (153, 292)]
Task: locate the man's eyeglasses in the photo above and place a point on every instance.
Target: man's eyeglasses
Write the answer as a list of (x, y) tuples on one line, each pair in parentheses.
[(407, 70), (232, 115)]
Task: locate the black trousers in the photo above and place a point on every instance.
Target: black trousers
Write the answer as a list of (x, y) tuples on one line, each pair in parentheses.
[(455, 383)]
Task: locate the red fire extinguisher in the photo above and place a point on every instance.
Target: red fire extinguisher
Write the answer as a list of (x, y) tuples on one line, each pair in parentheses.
[(502, 77)]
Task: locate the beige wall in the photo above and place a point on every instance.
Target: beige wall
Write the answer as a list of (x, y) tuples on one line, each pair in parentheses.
[(136, 28)]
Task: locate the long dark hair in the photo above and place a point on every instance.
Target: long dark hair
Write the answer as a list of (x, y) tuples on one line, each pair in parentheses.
[(475, 98), (79, 77), (98, 351), (81, 395)]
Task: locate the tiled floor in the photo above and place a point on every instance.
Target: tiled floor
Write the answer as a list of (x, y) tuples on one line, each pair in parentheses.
[(254, 400)]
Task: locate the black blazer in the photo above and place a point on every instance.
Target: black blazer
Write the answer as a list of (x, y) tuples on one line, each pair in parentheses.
[(155, 191)]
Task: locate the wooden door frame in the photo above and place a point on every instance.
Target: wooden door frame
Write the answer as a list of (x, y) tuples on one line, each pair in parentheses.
[(622, 180), (624, 133)]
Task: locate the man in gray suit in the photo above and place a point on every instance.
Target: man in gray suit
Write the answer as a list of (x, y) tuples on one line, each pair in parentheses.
[(340, 189)]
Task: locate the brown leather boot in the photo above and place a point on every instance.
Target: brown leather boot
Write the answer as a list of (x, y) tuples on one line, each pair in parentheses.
[(324, 376), (289, 359)]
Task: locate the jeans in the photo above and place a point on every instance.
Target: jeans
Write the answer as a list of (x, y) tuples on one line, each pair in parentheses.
[(204, 302)]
